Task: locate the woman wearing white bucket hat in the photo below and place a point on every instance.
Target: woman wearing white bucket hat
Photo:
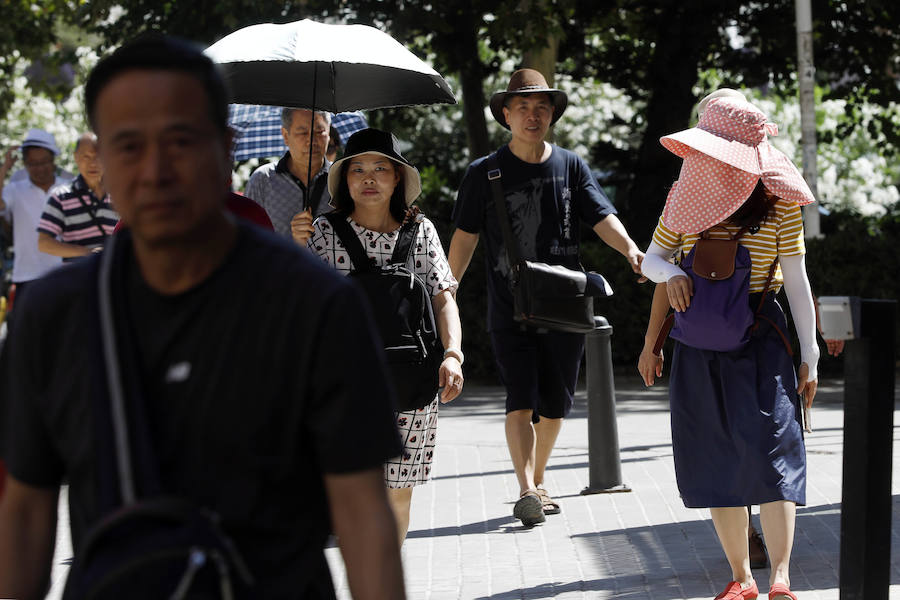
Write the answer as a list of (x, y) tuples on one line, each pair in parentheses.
[(737, 438), (371, 188)]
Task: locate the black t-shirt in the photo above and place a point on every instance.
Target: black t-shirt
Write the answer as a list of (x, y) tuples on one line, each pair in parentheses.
[(546, 204), (256, 382)]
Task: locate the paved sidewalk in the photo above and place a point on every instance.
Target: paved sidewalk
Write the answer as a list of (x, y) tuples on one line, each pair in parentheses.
[(643, 545), (464, 543)]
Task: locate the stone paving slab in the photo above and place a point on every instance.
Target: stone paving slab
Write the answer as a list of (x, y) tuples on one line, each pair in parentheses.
[(644, 545)]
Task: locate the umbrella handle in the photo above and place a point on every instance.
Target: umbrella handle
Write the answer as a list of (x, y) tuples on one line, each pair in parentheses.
[(307, 201)]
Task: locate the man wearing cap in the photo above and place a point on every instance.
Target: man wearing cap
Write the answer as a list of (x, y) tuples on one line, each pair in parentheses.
[(78, 216), (24, 201), (281, 187), (549, 192)]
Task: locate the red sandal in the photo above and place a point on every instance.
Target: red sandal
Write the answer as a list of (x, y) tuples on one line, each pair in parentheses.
[(734, 591), (780, 591)]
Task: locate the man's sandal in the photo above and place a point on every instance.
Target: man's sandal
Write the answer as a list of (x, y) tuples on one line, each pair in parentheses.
[(550, 506), (734, 591), (780, 591), (529, 509)]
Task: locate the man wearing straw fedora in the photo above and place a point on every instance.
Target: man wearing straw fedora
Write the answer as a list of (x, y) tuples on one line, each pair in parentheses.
[(548, 192)]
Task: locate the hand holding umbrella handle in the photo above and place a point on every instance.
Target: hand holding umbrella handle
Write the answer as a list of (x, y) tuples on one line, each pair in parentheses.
[(302, 227)]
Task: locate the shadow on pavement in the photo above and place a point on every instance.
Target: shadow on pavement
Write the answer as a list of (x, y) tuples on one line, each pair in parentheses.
[(678, 560), (498, 524)]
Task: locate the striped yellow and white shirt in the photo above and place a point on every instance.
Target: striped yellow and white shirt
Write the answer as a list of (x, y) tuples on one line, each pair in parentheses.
[(781, 234)]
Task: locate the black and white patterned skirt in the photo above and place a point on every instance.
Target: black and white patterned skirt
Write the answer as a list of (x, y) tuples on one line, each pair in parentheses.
[(418, 430)]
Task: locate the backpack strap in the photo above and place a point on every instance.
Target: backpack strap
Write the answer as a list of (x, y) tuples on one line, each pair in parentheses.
[(758, 314), (663, 333), (403, 251), (122, 410), (114, 377), (359, 260), (509, 240)]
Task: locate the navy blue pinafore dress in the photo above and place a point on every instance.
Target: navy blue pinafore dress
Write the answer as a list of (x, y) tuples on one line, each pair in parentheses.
[(736, 432)]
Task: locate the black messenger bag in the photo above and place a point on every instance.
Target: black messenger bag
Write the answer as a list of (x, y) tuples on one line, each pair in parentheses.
[(545, 296)]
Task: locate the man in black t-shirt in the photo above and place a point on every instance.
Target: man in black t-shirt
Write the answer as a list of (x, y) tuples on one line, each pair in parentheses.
[(548, 191), (236, 348)]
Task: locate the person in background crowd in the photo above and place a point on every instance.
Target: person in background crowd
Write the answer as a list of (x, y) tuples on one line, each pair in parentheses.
[(78, 216), (334, 145), (281, 188), (24, 201)]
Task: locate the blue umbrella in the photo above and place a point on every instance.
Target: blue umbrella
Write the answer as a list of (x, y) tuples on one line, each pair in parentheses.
[(258, 129)]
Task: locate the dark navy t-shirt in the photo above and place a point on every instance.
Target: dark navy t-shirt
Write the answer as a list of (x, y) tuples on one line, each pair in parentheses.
[(547, 202), (255, 384)]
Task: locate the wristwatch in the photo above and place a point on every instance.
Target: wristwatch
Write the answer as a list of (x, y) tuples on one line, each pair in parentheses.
[(456, 353)]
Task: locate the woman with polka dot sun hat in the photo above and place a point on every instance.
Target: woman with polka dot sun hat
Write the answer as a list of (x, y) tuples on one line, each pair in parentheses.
[(736, 432)]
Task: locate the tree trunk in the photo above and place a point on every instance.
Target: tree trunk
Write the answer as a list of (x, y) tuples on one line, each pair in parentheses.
[(542, 58), (471, 77), (673, 73), (473, 100)]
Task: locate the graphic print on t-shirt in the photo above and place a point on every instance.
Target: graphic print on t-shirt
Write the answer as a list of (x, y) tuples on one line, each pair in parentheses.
[(524, 206)]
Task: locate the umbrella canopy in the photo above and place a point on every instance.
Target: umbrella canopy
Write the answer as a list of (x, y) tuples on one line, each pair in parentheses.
[(258, 129), (334, 68)]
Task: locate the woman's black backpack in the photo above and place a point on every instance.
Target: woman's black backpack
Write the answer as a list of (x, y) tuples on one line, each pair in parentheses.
[(401, 306)]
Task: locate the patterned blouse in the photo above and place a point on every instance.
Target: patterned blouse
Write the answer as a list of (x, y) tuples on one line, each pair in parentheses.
[(430, 261), (781, 234)]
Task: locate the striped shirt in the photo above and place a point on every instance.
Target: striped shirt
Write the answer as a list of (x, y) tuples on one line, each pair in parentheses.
[(74, 215), (780, 234)]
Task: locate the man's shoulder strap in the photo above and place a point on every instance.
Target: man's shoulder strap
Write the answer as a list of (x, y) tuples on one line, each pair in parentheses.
[(358, 257), (495, 177)]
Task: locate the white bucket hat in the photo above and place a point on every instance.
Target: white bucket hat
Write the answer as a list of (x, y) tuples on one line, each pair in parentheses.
[(38, 138)]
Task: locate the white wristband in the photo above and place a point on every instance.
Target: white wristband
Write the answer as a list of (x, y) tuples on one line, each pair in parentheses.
[(455, 353)]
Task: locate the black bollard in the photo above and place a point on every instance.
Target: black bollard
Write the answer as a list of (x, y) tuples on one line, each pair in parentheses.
[(605, 468), (868, 441)]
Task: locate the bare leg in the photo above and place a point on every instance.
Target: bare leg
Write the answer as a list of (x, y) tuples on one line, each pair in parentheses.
[(546, 430), (777, 520), (520, 438), (401, 499), (731, 526)]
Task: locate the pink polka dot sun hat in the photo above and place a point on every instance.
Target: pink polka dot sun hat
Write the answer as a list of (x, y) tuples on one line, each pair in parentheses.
[(724, 156)]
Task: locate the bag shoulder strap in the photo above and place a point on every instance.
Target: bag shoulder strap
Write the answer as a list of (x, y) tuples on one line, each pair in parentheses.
[(663, 333), (359, 260), (114, 377), (403, 251), (92, 210), (494, 176)]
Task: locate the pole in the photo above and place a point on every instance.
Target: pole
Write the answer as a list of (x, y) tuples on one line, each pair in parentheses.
[(868, 445), (806, 81), (605, 468)]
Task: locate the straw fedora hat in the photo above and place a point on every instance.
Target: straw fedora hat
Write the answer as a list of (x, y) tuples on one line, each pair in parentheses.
[(725, 155), (377, 142), (528, 81)]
